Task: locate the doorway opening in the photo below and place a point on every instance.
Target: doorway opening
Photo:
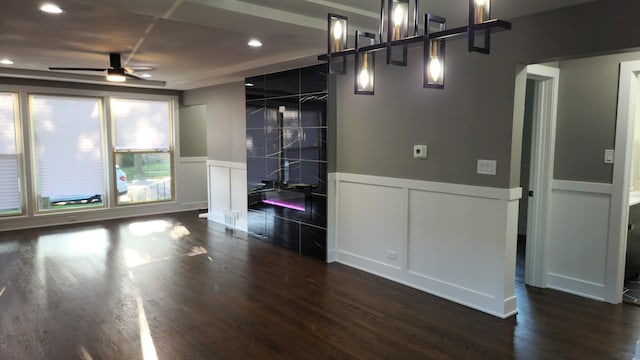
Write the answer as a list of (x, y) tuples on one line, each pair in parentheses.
[(619, 262), (631, 289), (525, 181), (538, 99)]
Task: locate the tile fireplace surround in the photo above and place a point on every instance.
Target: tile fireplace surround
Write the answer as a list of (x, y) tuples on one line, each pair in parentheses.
[(287, 159)]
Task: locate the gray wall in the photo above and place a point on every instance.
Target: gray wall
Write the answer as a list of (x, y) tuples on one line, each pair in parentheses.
[(193, 131), (587, 102), (466, 121), (473, 117), (225, 120)]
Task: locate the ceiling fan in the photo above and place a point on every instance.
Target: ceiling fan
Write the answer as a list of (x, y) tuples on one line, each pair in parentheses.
[(115, 71)]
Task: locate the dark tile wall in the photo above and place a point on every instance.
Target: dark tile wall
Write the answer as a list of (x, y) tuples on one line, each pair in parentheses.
[(287, 156)]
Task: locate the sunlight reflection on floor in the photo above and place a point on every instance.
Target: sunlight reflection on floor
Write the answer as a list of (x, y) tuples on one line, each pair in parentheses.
[(196, 250), (178, 232), (146, 341), (74, 244), (133, 258), (84, 354), (143, 228)]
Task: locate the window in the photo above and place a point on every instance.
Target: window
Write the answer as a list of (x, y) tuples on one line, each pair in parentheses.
[(143, 150), (10, 195), (67, 152)]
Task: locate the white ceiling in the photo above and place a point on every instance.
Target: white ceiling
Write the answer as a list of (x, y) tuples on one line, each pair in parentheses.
[(196, 43)]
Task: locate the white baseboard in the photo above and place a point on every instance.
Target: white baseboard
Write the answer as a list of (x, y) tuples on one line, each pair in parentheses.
[(462, 296), (418, 233), (576, 286), (332, 256), (219, 218)]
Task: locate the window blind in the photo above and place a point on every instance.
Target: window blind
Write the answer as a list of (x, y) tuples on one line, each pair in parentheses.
[(141, 124), (10, 199), (67, 138)]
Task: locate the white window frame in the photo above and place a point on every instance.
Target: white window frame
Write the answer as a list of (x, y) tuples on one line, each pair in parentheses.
[(172, 112)]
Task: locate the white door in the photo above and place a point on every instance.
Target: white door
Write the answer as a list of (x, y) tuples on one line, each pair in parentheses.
[(541, 173)]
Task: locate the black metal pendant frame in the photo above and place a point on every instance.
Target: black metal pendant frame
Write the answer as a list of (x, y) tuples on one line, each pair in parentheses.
[(428, 47), (371, 58), (336, 59), (485, 28), (476, 31), (403, 31)]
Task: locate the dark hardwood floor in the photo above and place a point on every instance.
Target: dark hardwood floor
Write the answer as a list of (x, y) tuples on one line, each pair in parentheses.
[(179, 287)]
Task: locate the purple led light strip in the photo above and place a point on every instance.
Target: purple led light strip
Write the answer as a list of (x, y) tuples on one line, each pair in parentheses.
[(284, 204)]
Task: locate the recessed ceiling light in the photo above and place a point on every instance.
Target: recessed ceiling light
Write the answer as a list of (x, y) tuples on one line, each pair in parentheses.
[(248, 84), (6, 62), (51, 8), (255, 43), (145, 75)]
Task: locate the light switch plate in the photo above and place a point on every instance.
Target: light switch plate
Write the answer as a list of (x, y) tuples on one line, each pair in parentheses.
[(420, 151), (608, 156), (487, 167)]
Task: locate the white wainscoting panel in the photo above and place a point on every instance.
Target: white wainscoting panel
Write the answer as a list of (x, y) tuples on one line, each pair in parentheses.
[(452, 236), (362, 206), (193, 181), (579, 230), (227, 191), (454, 241), (332, 247)]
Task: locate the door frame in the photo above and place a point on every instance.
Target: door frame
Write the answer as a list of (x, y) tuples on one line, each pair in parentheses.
[(619, 214), (543, 142)]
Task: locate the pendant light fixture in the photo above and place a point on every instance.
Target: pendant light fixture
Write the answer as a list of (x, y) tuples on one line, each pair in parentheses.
[(396, 18), (433, 52), (479, 13), (364, 80), (394, 32), (337, 42)]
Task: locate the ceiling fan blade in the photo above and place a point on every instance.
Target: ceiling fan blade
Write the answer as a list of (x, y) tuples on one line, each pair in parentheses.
[(115, 67), (77, 69), (133, 76), (139, 68)]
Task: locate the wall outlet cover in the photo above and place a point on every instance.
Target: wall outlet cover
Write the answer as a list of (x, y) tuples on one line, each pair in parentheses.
[(487, 167), (420, 151), (608, 156)]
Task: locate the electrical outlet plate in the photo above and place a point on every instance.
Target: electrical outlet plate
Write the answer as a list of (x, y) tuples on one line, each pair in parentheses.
[(392, 255), (487, 167), (608, 156), (420, 151)]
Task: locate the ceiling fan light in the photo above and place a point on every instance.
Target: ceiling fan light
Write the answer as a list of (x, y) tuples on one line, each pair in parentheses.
[(115, 76), (51, 8), (254, 43)]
